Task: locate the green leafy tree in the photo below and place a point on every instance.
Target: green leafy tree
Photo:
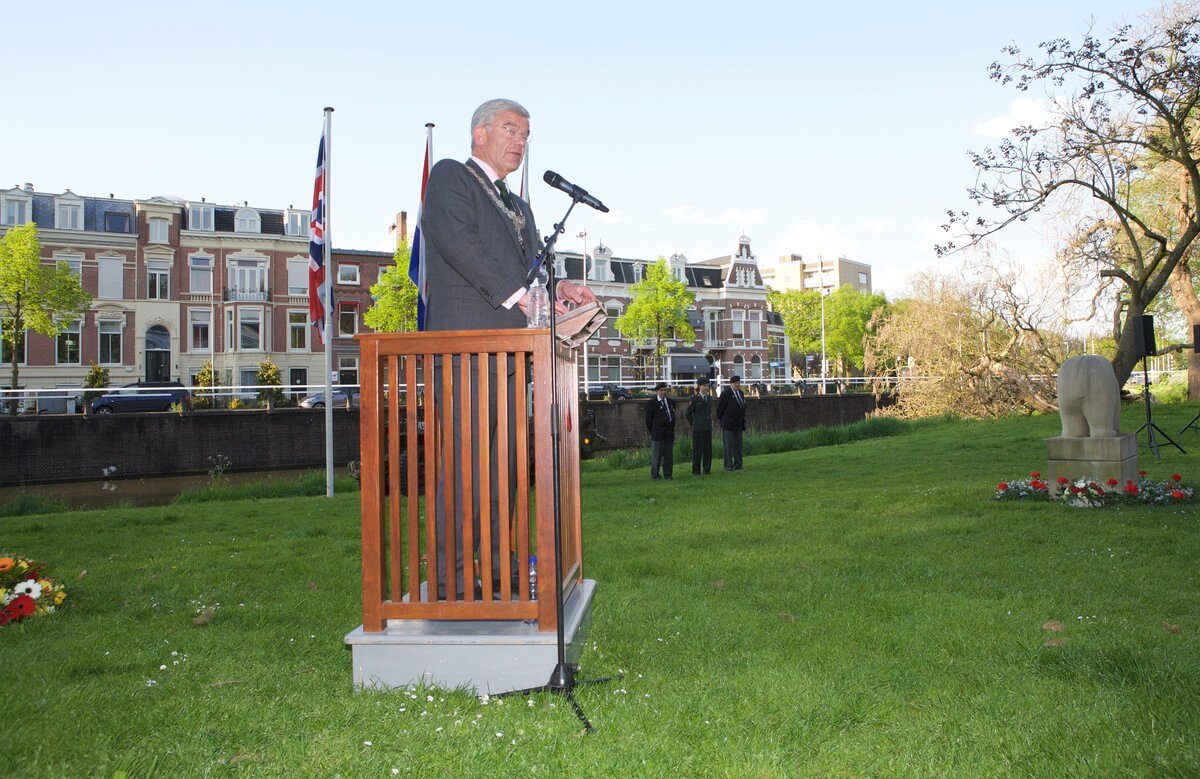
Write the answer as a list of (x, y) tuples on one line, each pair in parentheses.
[(395, 296), (658, 311), (206, 377), (271, 381), (848, 314), (34, 296), (96, 377)]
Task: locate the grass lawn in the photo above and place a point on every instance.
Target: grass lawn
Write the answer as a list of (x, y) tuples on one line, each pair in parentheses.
[(849, 610)]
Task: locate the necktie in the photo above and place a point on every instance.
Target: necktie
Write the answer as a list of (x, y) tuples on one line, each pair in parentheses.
[(738, 395), (504, 194), (666, 408)]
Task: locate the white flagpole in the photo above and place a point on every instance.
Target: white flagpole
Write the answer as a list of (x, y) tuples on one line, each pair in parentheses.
[(327, 248)]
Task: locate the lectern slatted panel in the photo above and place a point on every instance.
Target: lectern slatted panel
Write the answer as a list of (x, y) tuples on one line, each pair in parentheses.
[(456, 432)]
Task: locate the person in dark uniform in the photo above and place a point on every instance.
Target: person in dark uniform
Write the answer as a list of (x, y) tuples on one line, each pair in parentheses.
[(699, 414), (660, 423), (731, 411)]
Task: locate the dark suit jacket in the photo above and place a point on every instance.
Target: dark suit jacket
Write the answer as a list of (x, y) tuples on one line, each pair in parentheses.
[(657, 424), (474, 260), (731, 414)]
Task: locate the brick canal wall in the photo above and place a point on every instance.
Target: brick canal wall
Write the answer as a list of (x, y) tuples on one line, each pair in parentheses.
[(72, 447)]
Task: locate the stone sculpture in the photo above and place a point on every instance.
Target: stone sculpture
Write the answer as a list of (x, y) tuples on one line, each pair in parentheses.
[(1089, 400)]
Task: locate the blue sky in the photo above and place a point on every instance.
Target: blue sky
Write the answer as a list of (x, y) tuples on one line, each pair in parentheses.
[(835, 129)]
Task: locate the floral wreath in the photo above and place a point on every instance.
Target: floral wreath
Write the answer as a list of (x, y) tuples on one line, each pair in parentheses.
[(1086, 493), (25, 590)]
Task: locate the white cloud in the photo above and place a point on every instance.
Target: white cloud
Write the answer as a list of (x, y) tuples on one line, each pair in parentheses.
[(1022, 111), (688, 213), (734, 216), (813, 239)]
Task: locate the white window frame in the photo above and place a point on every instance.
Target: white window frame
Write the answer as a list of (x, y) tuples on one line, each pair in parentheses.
[(296, 222), (254, 270), (196, 264), (157, 267), (68, 212), (299, 264), (192, 321), (755, 322), (243, 312), (160, 229), (342, 306), (247, 220), (862, 279), (737, 323), (120, 333), (200, 217), (72, 329), (345, 278), (15, 197), (108, 285), (74, 261), (301, 326), (347, 363)]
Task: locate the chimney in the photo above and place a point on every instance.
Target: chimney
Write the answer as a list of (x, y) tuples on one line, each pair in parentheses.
[(401, 227)]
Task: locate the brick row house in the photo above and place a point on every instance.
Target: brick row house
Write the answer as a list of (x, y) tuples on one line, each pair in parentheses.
[(178, 283), (734, 331)]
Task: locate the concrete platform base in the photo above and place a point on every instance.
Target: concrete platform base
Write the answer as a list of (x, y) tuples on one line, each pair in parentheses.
[(488, 656), (1095, 459)]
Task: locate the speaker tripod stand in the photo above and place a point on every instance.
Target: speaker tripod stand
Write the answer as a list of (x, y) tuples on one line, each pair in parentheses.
[(1191, 424), (1149, 425)]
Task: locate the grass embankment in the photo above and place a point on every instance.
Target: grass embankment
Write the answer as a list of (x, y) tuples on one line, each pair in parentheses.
[(863, 609)]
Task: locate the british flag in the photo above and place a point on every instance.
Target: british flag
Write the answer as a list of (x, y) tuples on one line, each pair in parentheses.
[(317, 297)]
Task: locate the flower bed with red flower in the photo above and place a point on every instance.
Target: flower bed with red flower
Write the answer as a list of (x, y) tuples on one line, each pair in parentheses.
[(26, 591), (1085, 493)]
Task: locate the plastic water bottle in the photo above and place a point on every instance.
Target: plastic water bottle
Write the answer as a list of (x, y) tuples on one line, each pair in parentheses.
[(533, 577), (539, 302)]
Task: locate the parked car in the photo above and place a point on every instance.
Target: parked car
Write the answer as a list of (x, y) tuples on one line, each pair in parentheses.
[(601, 391), (342, 398), (143, 396)]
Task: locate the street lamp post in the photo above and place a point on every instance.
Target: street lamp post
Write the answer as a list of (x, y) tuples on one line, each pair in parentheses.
[(587, 367), (823, 364)]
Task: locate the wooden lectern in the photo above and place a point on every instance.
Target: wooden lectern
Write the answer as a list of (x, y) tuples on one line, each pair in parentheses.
[(409, 432)]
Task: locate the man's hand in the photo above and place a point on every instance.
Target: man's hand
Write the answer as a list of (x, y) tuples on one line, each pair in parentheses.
[(573, 293)]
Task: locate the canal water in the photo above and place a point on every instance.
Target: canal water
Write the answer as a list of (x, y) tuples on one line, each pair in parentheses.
[(146, 491)]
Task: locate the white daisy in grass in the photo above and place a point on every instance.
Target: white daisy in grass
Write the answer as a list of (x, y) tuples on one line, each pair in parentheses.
[(28, 587)]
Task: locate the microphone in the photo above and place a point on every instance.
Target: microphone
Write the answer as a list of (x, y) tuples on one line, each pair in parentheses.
[(577, 193)]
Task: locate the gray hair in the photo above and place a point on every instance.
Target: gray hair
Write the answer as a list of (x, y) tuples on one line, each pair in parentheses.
[(485, 113)]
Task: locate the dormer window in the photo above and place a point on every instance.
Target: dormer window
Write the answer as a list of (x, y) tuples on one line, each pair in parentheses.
[(15, 207), (200, 216), (247, 221), (68, 212), (296, 223), (159, 229)]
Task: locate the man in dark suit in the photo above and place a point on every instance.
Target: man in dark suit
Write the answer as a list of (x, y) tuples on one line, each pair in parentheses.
[(480, 240), (660, 423), (731, 413)]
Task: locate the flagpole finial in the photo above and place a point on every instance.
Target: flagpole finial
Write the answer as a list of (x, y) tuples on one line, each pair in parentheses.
[(328, 109), (429, 124)]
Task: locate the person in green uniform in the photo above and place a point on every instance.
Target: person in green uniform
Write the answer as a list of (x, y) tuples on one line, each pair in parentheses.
[(699, 414)]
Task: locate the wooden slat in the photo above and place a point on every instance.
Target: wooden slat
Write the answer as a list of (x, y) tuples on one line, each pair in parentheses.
[(390, 409), (446, 405), (522, 405), (433, 453), (467, 456), (485, 477), (412, 476), (502, 477), (543, 462), (371, 497)]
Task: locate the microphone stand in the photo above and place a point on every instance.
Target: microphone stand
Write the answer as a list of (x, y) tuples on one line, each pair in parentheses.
[(562, 679), (1149, 425)]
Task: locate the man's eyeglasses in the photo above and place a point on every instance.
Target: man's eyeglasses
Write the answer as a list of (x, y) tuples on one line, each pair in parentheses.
[(512, 131)]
